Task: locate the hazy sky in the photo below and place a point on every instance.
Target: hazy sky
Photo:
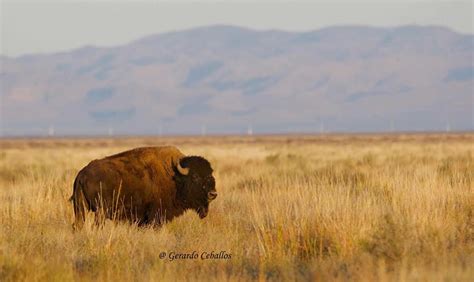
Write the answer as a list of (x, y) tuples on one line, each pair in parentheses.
[(50, 26)]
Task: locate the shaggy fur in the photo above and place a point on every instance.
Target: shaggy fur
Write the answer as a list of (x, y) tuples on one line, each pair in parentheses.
[(144, 186)]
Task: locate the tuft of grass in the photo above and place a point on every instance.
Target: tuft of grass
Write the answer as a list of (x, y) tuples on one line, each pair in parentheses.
[(456, 169)]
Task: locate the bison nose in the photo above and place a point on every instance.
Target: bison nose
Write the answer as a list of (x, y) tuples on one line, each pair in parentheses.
[(212, 195)]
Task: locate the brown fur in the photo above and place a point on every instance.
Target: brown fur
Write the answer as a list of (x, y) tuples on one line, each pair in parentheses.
[(141, 185)]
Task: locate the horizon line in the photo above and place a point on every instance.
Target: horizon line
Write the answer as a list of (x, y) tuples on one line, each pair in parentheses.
[(217, 135)]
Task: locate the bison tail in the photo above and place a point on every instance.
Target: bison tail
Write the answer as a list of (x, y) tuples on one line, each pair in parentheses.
[(80, 203)]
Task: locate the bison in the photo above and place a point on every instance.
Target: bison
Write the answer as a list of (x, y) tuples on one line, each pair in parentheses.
[(149, 185)]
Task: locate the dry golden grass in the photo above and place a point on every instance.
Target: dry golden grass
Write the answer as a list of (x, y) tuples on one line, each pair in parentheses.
[(342, 207)]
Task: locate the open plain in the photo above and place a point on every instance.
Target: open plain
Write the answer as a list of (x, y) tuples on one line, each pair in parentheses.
[(393, 207)]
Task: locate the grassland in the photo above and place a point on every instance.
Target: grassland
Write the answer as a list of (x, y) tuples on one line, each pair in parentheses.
[(324, 208)]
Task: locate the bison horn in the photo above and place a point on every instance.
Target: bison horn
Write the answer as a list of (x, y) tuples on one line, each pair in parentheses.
[(183, 170)]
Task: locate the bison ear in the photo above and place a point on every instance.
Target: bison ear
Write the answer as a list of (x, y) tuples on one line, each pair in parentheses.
[(182, 170)]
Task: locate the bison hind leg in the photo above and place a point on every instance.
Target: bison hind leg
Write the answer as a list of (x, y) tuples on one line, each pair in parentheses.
[(99, 218), (79, 215), (81, 205)]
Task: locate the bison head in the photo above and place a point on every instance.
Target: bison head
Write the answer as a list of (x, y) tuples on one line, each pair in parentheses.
[(195, 183)]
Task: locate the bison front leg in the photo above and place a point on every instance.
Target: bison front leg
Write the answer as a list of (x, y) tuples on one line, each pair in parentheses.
[(151, 217)]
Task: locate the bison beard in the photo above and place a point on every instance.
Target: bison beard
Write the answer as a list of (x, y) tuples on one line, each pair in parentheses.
[(149, 185)]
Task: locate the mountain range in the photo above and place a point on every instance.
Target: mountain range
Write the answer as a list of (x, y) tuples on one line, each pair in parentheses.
[(228, 80)]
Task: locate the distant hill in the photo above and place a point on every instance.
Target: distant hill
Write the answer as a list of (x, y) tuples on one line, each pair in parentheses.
[(223, 79)]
